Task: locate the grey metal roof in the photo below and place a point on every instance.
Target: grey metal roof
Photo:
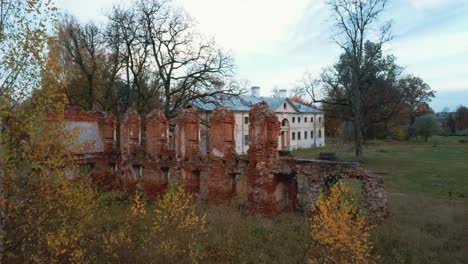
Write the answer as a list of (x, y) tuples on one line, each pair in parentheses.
[(244, 102)]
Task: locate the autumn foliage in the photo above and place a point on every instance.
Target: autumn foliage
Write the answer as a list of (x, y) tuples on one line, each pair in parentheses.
[(339, 230)]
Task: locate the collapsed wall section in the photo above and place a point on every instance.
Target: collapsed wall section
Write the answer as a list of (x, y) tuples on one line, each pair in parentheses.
[(321, 175), (221, 182)]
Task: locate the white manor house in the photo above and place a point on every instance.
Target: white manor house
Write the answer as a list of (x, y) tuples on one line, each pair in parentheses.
[(302, 126)]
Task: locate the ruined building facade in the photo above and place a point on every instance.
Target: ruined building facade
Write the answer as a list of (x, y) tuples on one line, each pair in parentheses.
[(152, 161)]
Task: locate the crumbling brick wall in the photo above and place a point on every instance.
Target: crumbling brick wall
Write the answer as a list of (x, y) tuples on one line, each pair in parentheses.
[(187, 149), (271, 181), (156, 133), (130, 132), (221, 181), (263, 193), (323, 174), (155, 179)]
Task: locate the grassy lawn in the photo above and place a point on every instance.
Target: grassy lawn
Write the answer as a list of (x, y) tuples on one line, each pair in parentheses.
[(428, 195)]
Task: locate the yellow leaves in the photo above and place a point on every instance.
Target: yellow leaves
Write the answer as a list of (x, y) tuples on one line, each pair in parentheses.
[(340, 232), (138, 206)]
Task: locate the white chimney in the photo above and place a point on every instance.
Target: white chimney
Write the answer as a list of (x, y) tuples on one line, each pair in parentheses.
[(283, 93), (255, 90)]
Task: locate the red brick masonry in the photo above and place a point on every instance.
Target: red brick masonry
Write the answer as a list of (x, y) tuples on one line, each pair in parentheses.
[(151, 165)]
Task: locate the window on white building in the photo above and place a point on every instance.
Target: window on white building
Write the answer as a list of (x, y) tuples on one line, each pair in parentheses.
[(246, 140), (305, 134), (305, 119), (320, 119), (311, 119), (294, 119), (293, 135), (320, 133), (285, 106), (246, 120), (298, 135), (311, 134), (298, 119)]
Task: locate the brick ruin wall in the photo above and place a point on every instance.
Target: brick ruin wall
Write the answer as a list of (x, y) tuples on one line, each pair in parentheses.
[(150, 166)]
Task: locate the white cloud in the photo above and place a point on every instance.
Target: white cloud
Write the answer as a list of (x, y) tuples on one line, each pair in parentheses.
[(257, 26)]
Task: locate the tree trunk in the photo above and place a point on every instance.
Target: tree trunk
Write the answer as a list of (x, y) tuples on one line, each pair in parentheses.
[(2, 197), (90, 93)]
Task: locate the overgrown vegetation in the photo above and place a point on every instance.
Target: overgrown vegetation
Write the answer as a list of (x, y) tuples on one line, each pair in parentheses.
[(428, 192)]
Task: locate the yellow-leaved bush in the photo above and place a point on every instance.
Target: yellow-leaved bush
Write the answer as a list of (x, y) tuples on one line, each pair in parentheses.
[(339, 231)]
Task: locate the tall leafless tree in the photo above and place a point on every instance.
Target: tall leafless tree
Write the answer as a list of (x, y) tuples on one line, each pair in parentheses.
[(356, 24)]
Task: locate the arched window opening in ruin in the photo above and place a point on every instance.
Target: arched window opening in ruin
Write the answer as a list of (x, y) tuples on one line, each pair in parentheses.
[(233, 184)]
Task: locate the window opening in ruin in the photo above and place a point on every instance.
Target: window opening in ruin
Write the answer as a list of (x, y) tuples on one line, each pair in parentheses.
[(293, 135), (196, 180), (165, 174), (234, 184), (113, 166), (138, 169), (286, 190)]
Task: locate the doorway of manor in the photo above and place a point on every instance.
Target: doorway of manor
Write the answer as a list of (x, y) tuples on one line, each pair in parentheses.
[(284, 135)]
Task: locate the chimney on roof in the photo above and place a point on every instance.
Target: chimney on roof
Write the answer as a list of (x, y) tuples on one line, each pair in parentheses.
[(255, 91), (283, 93)]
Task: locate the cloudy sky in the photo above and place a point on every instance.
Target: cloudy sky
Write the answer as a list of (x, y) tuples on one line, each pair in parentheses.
[(274, 42)]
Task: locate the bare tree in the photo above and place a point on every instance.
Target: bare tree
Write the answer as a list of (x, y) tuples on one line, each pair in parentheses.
[(356, 27), (187, 66), (82, 44)]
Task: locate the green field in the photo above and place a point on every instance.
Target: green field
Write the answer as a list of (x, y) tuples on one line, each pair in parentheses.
[(427, 185)]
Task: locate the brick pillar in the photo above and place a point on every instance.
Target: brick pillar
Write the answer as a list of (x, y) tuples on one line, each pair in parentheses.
[(130, 132), (108, 131), (264, 129), (156, 133), (222, 152), (187, 149)]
